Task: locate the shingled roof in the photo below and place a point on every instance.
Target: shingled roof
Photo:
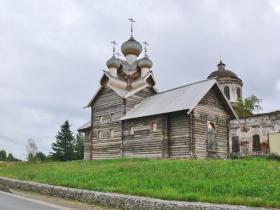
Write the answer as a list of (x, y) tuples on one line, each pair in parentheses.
[(178, 99)]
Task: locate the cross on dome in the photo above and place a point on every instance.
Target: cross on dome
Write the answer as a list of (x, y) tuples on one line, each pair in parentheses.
[(131, 25), (145, 48), (114, 46)]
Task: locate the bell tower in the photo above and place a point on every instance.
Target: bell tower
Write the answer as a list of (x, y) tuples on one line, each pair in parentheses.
[(229, 82)]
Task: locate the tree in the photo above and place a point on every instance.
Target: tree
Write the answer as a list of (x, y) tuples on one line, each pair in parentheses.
[(3, 155), (246, 107), (40, 156), (79, 147), (31, 150), (10, 157), (63, 147)]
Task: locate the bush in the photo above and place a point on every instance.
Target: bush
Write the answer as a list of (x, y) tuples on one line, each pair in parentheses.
[(274, 156)]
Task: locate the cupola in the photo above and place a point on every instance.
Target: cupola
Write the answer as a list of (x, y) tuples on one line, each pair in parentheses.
[(145, 64), (113, 64), (131, 49)]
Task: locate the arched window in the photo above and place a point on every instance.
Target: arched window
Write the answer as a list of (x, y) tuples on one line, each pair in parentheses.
[(235, 144), (256, 143), (238, 93), (226, 91), (212, 141)]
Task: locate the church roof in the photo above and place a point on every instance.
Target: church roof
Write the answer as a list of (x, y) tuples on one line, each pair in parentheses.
[(222, 72), (178, 99), (85, 126), (123, 92)]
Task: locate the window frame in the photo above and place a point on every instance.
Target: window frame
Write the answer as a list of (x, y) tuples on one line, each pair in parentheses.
[(99, 135), (152, 127), (214, 147), (111, 117), (131, 130), (238, 93), (256, 146), (100, 119), (111, 133), (227, 92), (235, 144)]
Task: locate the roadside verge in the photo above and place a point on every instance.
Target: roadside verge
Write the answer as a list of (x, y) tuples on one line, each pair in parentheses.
[(114, 200)]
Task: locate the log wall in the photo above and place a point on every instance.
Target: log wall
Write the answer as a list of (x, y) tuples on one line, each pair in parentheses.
[(144, 142), (87, 145), (179, 134), (111, 107), (211, 109)]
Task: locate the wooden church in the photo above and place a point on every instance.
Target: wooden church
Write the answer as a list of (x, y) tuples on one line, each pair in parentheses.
[(130, 118)]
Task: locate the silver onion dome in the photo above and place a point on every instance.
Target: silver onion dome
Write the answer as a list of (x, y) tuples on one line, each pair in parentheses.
[(131, 46), (113, 62), (145, 63)]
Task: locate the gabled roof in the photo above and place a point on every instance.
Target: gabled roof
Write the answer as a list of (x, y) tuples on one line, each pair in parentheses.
[(178, 99), (85, 126), (123, 93)]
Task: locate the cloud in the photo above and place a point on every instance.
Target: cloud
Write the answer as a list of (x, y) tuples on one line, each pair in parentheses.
[(53, 53)]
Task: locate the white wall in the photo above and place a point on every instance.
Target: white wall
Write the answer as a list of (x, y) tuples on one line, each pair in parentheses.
[(263, 125)]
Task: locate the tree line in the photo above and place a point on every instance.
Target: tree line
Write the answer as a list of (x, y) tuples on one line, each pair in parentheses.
[(7, 157)]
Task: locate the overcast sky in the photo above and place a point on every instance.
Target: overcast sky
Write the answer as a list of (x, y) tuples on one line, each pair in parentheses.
[(52, 53)]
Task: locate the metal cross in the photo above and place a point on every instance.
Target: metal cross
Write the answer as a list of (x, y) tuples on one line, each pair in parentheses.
[(131, 25), (114, 46), (145, 48)]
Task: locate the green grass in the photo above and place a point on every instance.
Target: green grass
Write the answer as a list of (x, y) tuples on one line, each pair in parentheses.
[(253, 182)]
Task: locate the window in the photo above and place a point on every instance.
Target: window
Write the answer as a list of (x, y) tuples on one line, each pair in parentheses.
[(238, 91), (99, 136), (154, 127), (131, 130), (100, 119), (256, 143), (111, 117), (235, 144), (111, 133), (226, 91), (212, 141)]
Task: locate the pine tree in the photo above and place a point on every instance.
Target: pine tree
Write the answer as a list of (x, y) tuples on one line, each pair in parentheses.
[(79, 147), (3, 155), (63, 147), (10, 157)]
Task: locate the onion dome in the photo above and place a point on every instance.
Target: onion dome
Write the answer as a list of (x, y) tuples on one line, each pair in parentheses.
[(131, 46), (145, 63), (222, 72), (113, 62)]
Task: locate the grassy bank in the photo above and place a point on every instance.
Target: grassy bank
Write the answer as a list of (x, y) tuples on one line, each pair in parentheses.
[(254, 182)]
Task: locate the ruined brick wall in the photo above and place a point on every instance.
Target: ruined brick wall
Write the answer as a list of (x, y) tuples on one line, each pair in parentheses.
[(260, 125)]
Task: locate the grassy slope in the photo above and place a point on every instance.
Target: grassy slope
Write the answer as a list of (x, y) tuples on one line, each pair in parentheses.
[(254, 182)]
